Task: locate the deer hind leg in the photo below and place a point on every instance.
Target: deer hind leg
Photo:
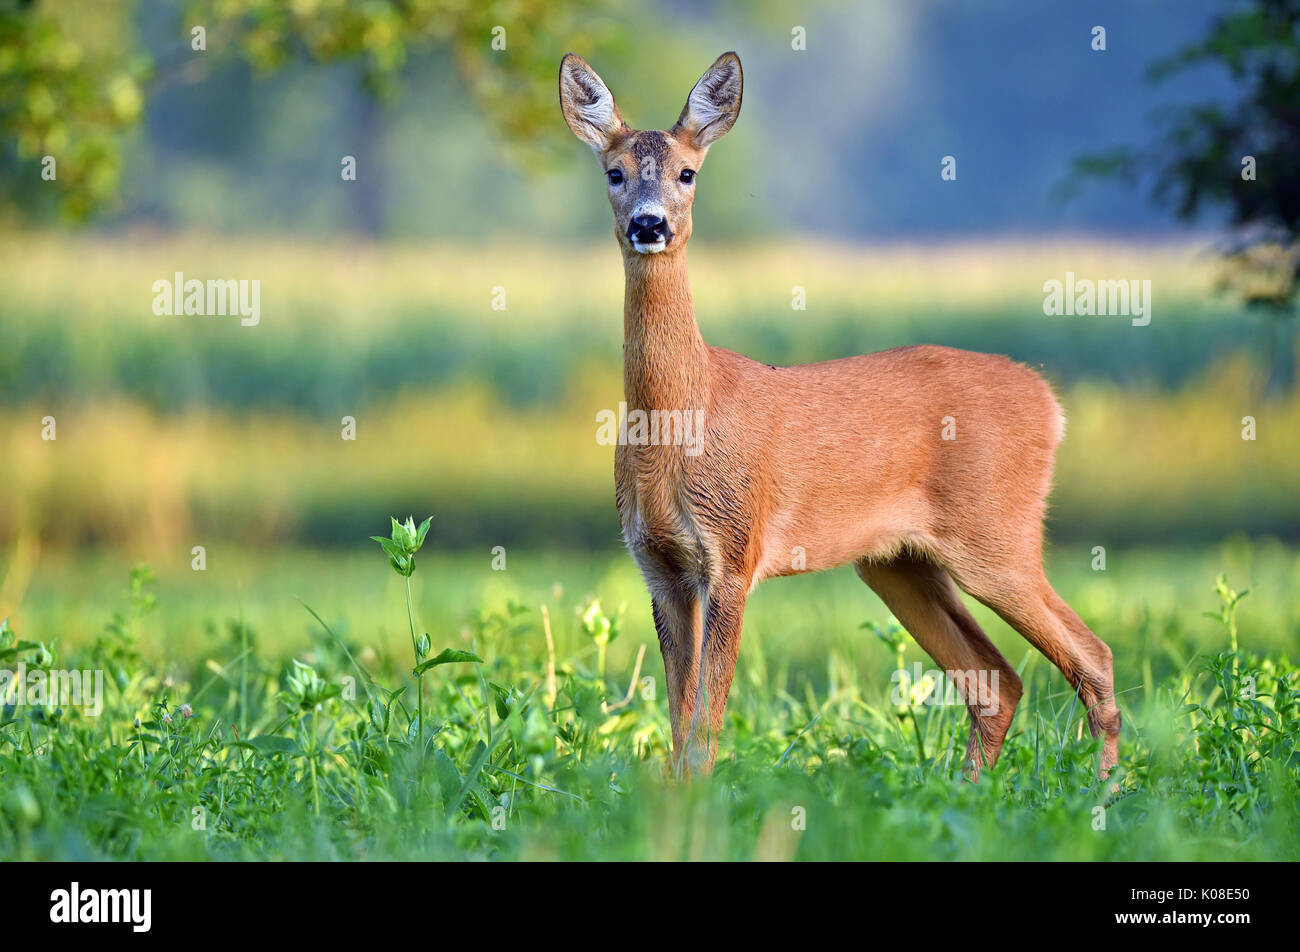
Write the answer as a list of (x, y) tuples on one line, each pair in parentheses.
[(924, 599), (1098, 665), (1028, 603)]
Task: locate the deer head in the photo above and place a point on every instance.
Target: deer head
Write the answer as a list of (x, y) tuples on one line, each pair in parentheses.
[(651, 175)]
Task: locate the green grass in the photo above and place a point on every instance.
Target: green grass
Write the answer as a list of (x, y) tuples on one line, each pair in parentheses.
[(285, 757)]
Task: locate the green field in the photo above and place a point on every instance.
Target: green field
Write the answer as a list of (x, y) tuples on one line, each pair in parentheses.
[(176, 433), (817, 761)]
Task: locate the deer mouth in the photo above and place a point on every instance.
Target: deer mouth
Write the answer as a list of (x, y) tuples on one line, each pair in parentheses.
[(649, 247)]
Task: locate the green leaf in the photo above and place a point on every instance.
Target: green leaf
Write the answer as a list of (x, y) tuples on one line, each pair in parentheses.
[(19, 648), (449, 781), (388, 708), (378, 715), (502, 697), (447, 656)]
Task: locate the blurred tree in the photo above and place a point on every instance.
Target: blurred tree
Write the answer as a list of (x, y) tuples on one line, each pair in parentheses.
[(63, 105), (69, 91), (1244, 157)]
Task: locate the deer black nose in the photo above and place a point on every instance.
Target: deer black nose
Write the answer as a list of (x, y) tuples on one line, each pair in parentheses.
[(648, 229)]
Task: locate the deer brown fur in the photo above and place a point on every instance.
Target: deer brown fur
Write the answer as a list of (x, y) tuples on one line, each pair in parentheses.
[(925, 467)]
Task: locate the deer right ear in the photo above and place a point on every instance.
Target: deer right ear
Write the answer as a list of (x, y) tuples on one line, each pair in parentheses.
[(588, 105)]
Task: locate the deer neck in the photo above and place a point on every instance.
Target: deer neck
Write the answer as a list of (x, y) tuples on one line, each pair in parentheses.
[(665, 359)]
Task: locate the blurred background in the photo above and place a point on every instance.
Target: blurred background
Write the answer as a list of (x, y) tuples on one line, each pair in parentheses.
[(1120, 162)]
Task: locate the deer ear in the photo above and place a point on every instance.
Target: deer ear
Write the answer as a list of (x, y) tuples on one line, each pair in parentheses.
[(588, 105), (713, 105)]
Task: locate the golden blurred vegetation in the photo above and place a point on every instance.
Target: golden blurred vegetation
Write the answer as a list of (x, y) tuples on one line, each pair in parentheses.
[(176, 430)]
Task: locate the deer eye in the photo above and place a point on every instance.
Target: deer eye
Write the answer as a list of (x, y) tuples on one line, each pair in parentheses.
[(615, 176), (687, 176)]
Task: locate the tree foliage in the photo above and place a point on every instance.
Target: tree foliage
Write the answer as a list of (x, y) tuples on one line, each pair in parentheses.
[(72, 92), (61, 99)]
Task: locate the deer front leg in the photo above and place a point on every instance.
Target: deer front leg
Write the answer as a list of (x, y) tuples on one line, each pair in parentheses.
[(677, 622), (724, 610)]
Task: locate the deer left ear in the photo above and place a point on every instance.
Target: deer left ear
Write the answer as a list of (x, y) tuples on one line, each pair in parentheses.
[(714, 104)]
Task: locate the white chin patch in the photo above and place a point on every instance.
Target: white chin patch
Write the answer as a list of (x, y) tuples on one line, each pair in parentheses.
[(652, 248)]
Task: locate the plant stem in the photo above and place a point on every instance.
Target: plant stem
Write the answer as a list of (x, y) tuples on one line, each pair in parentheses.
[(315, 789), (1232, 636), (419, 678), (243, 668)]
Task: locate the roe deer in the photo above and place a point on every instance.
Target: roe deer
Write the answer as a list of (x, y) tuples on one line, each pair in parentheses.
[(808, 467)]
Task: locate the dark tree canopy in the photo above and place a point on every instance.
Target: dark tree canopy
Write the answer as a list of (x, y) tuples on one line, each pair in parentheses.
[(1205, 144), (1241, 156)]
